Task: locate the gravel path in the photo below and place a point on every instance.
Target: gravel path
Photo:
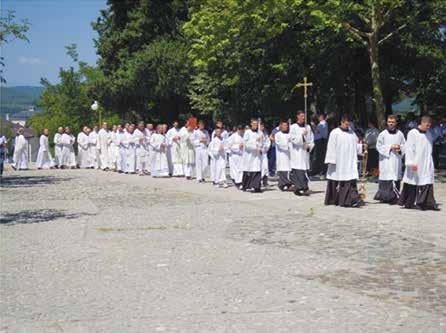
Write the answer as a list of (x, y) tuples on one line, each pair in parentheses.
[(89, 251)]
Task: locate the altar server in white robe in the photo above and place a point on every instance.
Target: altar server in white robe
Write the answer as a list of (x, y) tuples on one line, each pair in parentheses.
[(217, 149), (104, 141), (224, 133), (114, 148), (148, 131), (44, 158), (201, 141), (251, 160), (141, 150), (302, 142), (418, 180), (390, 146), (122, 149), (129, 142), (83, 149), (188, 150), (342, 173), (58, 147), (68, 155), (20, 156), (283, 163), (266, 145), (235, 146), (174, 139), (159, 145), (94, 148)]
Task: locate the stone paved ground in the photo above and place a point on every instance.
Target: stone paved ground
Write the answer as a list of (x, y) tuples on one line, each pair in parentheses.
[(88, 251)]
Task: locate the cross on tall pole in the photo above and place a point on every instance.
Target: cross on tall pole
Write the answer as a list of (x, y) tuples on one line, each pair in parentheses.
[(305, 84)]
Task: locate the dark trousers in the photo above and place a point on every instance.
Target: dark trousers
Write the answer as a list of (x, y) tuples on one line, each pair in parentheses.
[(320, 149), (421, 197), (388, 191), (251, 180), (373, 159), (272, 160), (299, 178), (342, 193), (284, 179), (436, 156)]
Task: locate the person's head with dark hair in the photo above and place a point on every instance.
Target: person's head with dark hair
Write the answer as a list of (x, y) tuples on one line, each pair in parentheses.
[(175, 124), (322, 116), (425, 123), (300, 117), (283, 126), (392, 122), (345, 121), (254, 124), (372, 123), (219, 124), (201, 124)]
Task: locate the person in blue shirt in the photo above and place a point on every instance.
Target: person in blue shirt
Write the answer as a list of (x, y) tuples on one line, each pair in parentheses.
[(320, 140)]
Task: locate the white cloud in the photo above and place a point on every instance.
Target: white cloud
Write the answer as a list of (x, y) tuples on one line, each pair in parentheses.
[(30, 61)]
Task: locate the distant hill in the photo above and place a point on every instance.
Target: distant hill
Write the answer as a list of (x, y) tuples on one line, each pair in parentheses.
[(20, 98)]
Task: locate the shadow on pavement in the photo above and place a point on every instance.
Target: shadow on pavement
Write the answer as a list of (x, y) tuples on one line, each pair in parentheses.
[(38, 216), (29, 181)]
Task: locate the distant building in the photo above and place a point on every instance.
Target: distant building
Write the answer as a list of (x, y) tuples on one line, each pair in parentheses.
[(22, 116)]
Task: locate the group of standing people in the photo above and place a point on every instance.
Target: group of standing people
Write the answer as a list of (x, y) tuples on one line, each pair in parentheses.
[(191, 152)]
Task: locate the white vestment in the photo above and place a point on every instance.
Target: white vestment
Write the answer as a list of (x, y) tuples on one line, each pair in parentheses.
[(113, 151), (160, 165), (20, 157), (104, 148), (342, 155), (201, 153), (141, 150), (235, 157), (128, 141), (94, 149), (217, 151), (266, 144), (301, 146), (122, 151), (173, 137), (283, 157), (83, 151), (58, 149), (251, 159), (148, 147), (187, 152), (419, 152), (390, 162), (44, 158), (68, 156)]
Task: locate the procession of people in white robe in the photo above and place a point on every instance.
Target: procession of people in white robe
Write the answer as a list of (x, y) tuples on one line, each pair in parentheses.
[(192, 153)]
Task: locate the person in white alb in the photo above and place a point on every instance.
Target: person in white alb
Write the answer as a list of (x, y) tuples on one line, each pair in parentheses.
[(94, 148), (174, 140), (251, 160), (104, 141), (235, 151), (201, 141), (266, 145), (390, 145), (283, 164), (68, 155), (129, 143), (20, 157), (343, 149), (141, 150), (418, 180), (114, 148), (148, 131), (159, 145), (302, 143), (188, 150), (217, 150), (58, 147), (83, 149), (44, 158)]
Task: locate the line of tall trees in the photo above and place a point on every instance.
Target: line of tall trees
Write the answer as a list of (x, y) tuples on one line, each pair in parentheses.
[(232, 59)]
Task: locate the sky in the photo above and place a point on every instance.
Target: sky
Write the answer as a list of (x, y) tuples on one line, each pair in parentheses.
[(54, 24)]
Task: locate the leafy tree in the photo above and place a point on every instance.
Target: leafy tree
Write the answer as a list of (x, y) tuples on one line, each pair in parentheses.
[(11, 30)]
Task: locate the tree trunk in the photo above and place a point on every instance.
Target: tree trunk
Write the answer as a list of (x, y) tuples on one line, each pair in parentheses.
[(380, 110)]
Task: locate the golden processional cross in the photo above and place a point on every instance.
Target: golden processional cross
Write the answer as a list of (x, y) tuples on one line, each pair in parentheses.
[(305, 84)]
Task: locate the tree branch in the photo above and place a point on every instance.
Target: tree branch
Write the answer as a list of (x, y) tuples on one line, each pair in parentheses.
[(361, 36), (390, 35)]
